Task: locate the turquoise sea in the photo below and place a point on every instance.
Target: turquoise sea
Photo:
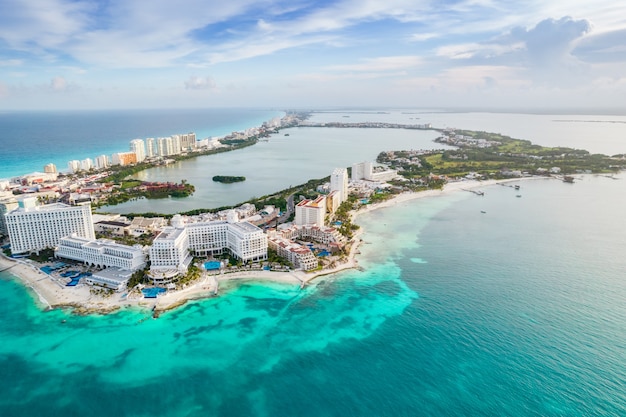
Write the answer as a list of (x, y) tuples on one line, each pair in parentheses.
[(30, 139), (519, 311)]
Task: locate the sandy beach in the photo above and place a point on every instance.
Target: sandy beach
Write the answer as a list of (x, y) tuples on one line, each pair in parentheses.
[(52, 293)]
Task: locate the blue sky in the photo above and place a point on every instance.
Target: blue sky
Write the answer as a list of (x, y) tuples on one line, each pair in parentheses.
[(82, 54)]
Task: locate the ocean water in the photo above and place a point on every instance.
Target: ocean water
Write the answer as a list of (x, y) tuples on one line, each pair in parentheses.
[(30, 140), (518, 311)]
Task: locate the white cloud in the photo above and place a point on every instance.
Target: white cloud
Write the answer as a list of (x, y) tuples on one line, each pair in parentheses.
[(420, 37), (11, 62), (58, 84), (386, 63), (200, 83)]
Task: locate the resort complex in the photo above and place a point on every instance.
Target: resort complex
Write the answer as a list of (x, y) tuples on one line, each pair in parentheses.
[(172, 247), (300, 232)]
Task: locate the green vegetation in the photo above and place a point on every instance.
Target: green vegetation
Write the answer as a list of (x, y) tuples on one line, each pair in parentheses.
[(495, 157), (226, 179), (193, 273), (343, 215), (133, 189), (42, 256), (138, 277), (273, 258)]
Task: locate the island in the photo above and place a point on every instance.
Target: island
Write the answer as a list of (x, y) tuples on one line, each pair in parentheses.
[(227, 179)]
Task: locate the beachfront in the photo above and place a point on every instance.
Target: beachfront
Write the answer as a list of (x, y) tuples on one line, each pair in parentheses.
[(50, 292)]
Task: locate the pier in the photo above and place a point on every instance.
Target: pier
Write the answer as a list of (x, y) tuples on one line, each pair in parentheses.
[(477, 192)]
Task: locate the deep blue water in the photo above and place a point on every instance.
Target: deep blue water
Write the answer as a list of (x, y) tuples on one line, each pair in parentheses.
[(30, 140)]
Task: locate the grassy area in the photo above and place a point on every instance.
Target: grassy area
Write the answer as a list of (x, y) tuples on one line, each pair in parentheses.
[(130, 184)]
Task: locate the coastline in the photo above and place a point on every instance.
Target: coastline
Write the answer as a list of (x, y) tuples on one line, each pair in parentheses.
[(51, 294)]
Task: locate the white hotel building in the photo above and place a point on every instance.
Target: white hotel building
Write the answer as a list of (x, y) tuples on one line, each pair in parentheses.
[(172, 248), (311, 211), (101, 253), (33, 228), (339, 183), (139, 147)]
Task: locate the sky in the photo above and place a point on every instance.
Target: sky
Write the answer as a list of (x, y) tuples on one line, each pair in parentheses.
[(114, 54)]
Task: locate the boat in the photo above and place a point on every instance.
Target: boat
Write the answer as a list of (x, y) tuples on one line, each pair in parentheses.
[(568, 179), (519, 195), (483, 211), (517, 187), (286, 134)]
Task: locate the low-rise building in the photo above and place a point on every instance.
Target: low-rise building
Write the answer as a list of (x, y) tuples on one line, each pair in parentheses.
[(146, 225), (113, 278), (101, 253), (301, 257), (111, 227)]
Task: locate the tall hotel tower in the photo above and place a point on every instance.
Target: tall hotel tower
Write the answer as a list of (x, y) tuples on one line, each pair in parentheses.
[(339, 182), (33, 228), (138, 146)]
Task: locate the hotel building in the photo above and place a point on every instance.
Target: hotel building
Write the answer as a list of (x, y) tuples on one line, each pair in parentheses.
[(339, 183), (124, 158), (101, 253), (188, 141), (300, 256), (171, 250), (102, 162), (33, 228), (73, 166), (50, 169), (311, 211), (86, 164), (139, 148), (365, 171), (6, 205), (151, 149)]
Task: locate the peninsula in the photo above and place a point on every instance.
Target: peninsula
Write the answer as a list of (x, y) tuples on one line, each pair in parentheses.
[(293, 236)]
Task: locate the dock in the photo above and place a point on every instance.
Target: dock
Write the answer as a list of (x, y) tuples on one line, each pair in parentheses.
[(477, 192)]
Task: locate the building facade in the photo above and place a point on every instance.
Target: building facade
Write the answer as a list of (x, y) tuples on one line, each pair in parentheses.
[(6, 205), (102, 162), (101, 253), (33, 228), (188, 141), (298, 255), (138, 146), (339, 183), (50, 169), (174, 246), (124, 158), (311, 211), (170, 250)]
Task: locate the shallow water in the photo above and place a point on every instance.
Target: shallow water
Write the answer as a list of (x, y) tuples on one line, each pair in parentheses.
[(517, 311)]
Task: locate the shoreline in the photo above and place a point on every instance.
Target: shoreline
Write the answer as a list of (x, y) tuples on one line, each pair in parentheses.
[(50, 294)]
